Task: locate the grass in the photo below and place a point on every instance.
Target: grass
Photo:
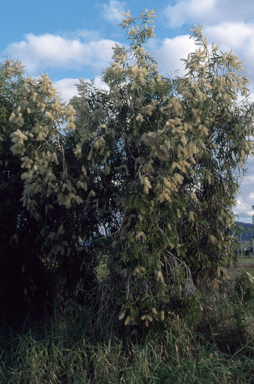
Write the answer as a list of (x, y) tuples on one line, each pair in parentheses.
[(244, 262), (174, 356), (248, 263), (213, 344)]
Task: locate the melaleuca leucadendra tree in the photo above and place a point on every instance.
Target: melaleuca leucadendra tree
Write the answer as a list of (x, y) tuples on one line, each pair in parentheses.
[(162, 156), (211, 89), (24, 280), (48, 195), (149, 174)]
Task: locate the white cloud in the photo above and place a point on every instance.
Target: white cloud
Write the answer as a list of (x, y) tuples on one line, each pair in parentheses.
[(188, 10), (234, 35), (38, 52), (68, 89), (208, 11), (112, 11), (171, 51)]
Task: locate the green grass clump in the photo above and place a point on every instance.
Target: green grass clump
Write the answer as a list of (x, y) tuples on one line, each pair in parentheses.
[(213, 343), (171, 357)]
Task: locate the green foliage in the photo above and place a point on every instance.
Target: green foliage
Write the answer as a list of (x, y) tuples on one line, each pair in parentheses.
[(146, 171)]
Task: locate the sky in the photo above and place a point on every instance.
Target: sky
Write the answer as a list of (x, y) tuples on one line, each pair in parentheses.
[(74, 39)]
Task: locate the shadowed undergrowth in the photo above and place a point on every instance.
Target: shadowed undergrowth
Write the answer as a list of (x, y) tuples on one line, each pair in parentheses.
[(214, 343)]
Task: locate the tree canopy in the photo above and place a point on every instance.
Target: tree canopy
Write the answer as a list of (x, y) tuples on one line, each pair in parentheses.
[(146, 171)]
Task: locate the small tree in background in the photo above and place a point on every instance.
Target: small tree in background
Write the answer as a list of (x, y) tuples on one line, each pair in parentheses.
[(148, 175)]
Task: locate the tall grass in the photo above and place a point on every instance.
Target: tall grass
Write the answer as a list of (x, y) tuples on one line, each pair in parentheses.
[(214, 344)]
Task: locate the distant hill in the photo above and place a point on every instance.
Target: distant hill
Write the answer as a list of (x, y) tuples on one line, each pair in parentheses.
[(246, 235)]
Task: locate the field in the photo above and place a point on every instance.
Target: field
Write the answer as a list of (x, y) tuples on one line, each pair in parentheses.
[(245, 262), (248, 263)]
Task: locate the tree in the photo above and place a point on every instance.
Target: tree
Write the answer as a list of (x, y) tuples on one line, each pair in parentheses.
[(149, 174), (19, 265), (171, 149), (32, 238)]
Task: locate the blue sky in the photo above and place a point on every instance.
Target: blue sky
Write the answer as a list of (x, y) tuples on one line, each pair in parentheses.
[(73, 39)]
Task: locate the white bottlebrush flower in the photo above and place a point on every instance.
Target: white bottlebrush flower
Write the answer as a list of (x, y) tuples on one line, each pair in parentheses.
[(127, 321), (122, 315), (154, 310), (146, 183), (212, 239), (140, 235), (159, 276), (19, 137), (49, 115), (148, 109), (191, 216), (139, 117)]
